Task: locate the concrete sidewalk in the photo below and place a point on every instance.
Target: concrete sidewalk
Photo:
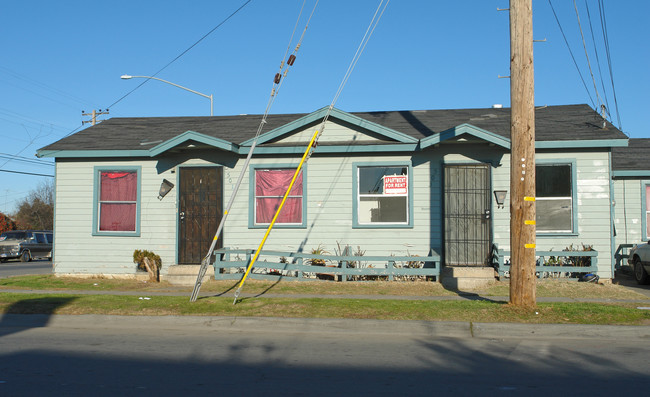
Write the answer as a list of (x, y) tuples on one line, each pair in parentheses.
[(266, 325)]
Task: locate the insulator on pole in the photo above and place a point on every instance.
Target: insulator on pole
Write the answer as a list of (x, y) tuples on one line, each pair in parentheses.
[(291, 60), (277, 78)]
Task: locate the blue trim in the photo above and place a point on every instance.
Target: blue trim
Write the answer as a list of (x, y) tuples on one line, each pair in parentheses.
[(92, 153), (636, 173), (574, 196), (612, 216), (53, 259), (355, 194), (465, 128), (96, 184), (591, 143), (357, 148), (334, 114), (192, 136), (644, 218), (251, 196)]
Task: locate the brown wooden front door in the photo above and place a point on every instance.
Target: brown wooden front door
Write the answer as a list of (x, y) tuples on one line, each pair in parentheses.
[(200, 210)]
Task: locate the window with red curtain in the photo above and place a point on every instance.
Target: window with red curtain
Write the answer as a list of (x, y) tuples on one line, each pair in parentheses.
[(270, 187), (118, 199)]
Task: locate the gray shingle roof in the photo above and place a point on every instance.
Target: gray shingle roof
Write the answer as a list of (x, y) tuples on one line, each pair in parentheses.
[(635, 157), (553, 123)]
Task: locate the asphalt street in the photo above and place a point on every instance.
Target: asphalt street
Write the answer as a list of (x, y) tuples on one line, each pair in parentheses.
[(171, 356), (17, 268)]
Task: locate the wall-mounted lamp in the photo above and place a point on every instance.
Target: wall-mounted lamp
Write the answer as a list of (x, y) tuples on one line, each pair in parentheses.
[(500, 196), (165, 187)]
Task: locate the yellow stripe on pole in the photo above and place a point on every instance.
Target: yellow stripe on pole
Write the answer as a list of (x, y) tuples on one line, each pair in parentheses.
[(277, 213), (526, 198), (529, 245), (530, 222)]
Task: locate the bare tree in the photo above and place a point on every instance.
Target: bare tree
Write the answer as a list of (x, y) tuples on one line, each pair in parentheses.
[(36, 211)]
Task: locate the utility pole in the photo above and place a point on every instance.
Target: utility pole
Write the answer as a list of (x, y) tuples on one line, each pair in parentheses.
[(522, 159), (93, 120)]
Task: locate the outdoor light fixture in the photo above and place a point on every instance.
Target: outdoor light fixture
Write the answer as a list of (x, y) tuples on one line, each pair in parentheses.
[(165, 187), (500, 195)]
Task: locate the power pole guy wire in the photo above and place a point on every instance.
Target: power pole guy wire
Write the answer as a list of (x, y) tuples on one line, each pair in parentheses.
[(314, 139), (284, 65)]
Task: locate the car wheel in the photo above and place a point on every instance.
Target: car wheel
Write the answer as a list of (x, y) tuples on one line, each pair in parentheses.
[(639, 272), (25, 257)]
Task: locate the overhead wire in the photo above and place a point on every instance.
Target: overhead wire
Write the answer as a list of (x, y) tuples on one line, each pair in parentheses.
[(183, 53), (571, 52), (27, 173), (593, 40), (584, 45), (277, 84), (603, 23), (314, 140)]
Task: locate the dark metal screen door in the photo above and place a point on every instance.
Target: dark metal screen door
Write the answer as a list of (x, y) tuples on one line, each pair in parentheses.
[(200, 209), (467, 215)]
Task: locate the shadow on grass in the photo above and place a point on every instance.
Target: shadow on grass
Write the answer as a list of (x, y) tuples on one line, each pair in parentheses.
[(31, 313), (224, 292)]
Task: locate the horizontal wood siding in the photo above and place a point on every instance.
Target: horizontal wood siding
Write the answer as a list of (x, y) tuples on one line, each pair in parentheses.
[(329, 211), (628, 214), (594, 216), (335, 133), (77, 251), (329, 204)]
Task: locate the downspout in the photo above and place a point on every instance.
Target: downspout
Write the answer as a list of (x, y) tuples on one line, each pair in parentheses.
[(612, 209)]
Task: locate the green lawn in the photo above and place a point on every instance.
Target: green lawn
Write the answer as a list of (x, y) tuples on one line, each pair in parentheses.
[(323, 307)]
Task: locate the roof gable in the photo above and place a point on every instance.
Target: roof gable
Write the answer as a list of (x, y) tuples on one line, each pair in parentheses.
[(310, 119), (465, 129), (191, 136)]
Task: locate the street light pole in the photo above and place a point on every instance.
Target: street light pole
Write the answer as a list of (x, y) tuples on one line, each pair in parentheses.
[(127, 77)]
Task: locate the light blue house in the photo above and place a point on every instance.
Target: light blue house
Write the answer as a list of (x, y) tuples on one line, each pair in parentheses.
[(631, 186), (390, 183)]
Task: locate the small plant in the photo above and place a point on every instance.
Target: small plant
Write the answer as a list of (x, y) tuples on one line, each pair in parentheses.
[(320, 250), (582, 261), (148, 261)]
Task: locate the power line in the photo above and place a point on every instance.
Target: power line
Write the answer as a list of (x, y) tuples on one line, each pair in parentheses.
[(571, 52), (603, 23), (584, 45), (593, 39), (27, 173), (182, 53), (25, 159)]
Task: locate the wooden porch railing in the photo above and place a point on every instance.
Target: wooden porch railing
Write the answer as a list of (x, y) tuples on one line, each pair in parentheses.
[(273, 265), (499, 263)]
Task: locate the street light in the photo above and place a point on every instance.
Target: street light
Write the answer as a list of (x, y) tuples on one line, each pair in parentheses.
[(127, 77)]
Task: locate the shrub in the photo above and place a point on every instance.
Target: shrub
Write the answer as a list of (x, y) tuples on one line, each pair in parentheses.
[(148, 261)]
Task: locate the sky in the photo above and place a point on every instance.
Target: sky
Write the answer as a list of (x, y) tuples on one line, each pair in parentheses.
[(64, 58)]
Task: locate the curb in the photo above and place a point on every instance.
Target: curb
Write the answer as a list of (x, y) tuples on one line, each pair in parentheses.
[(405, 328)]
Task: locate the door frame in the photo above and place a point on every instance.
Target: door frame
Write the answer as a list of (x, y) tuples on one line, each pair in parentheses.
[(178, 201), (490, 188)]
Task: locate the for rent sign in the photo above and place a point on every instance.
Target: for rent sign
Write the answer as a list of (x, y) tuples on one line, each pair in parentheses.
[(395, 184)]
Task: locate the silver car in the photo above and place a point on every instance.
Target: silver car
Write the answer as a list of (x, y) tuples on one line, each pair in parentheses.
[(26, 244), (639, 259)]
